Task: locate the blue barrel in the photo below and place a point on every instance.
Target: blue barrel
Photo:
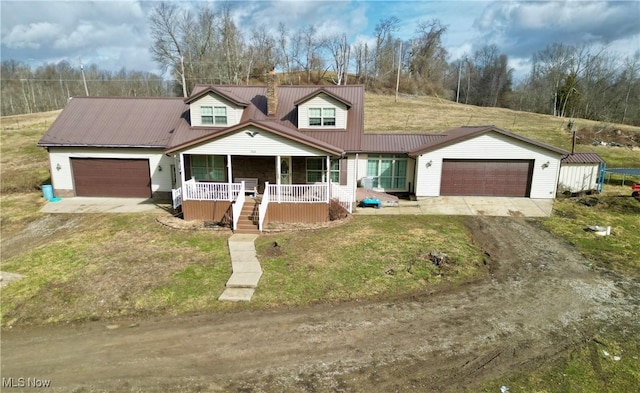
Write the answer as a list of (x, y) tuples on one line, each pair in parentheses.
[(47, 192)]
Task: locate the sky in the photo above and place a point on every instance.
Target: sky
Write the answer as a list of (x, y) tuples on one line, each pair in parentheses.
[(115, 34)]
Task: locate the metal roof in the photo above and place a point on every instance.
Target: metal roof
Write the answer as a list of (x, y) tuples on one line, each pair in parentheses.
[(165, 122), (466, 132), (582, 158), (116, 122)]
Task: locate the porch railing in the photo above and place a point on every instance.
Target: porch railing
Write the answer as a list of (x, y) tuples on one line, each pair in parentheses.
[(264, 204), (205, 191), (237, 206), (343, 195), (298, 193), (176, 197)]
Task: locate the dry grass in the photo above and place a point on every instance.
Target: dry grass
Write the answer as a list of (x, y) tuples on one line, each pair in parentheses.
[(433, 115)]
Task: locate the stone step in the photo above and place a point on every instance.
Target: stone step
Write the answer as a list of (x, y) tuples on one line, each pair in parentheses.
[(237, 294)]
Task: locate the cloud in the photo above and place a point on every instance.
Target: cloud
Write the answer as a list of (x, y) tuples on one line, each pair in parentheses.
[(522, 28)]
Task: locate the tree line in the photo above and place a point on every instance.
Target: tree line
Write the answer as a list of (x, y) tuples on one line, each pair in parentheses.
[(204, 45)]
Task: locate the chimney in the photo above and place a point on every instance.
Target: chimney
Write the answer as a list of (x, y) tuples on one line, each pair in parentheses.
[(272, 96)]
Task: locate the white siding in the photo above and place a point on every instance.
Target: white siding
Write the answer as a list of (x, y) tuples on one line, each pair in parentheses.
[(490, 146), (322, 101), (234, 113), (63, 179), (263, 143), (578, 177)]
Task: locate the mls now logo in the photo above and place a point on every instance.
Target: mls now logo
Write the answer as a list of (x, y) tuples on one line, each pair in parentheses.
[(25, 382)]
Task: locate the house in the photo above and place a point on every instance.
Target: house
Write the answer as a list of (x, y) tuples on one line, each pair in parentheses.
[(297, 149)]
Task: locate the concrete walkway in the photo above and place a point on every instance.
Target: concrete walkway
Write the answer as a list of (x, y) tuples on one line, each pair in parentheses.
[(468, 206), (103, 205), (246, 269)]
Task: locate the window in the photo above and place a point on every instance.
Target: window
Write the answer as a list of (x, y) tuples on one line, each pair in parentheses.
[(213, 115), (388, 171), (317, 169), (322, 117), (206, 114), (220, 114), (207, 168)]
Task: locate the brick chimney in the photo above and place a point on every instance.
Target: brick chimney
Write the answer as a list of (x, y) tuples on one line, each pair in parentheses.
[(272, 95)]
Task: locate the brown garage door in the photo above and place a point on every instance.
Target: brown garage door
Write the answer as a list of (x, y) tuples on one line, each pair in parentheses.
[(486, 177), (111, 177)]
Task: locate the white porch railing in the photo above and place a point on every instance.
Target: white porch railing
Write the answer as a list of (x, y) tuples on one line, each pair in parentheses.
[(237, 206), (343, 195), (264, 204), (176, 197), (205, 191), (298, 193)]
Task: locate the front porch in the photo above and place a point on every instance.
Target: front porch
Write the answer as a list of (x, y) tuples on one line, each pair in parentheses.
[(283, 203)]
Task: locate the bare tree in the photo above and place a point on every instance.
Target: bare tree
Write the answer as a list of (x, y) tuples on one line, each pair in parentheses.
[(338, 48)]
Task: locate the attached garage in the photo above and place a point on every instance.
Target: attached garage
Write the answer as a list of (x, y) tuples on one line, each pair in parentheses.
[(486, 177), (486, 161), (111, 177)]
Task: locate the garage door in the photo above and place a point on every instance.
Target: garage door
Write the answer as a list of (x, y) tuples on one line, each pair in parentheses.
[(487, 177), (111, 177)]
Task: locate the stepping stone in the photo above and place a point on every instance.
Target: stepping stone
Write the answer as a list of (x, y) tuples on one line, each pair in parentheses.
[(237, 294), (244, 280)]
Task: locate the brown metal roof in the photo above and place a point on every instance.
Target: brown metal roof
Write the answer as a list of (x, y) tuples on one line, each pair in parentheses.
[(116, 122), (582, 158), (465, 132), (396, 143)]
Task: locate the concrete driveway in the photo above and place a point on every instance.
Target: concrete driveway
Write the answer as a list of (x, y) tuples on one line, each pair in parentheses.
[(468, 206), (104, 205)]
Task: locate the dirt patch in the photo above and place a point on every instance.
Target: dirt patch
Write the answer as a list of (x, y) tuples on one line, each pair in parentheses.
[(540, 300), (607, 136)]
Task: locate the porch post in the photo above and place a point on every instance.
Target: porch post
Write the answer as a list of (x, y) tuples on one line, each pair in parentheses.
[(230, 180), (278, 177), (355, 178), (182, 179), (328, 178)]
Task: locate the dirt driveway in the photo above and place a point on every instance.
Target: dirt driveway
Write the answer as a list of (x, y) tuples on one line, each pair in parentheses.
[(539, 300)]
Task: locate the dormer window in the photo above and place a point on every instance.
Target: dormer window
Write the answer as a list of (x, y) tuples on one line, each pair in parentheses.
[(215, 115), (322, 117)]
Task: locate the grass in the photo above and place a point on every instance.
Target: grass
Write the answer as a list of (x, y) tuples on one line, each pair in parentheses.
[(369, 257), (607, 363), (619, 252)]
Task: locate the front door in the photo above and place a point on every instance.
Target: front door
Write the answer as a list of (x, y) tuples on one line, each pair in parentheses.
[(285, 170)]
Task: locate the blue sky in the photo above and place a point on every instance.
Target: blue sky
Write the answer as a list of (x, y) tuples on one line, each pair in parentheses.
[(114, 34)]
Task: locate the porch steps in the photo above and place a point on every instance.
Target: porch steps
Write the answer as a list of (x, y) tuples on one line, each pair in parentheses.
[(248, 221)]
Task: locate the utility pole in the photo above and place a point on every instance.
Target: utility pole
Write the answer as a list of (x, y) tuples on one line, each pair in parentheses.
[(399, 65), (459, 75), (86, 90)]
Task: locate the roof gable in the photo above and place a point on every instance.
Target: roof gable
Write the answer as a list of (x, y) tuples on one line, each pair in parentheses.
[(272, 127), (319, 91), (463, 133), (227, 94)]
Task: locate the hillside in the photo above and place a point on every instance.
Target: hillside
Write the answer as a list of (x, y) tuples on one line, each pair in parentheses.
[(433, 115)]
